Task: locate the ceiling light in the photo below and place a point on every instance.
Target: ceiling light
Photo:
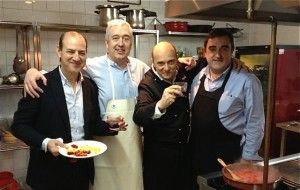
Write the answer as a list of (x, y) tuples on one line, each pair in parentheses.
[(29, 1)]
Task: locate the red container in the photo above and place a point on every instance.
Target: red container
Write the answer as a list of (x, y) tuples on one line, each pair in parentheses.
[(7, 181), (6, 175), (176, 26)]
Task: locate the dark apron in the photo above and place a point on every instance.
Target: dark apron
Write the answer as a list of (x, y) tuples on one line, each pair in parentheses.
[(209, 138)]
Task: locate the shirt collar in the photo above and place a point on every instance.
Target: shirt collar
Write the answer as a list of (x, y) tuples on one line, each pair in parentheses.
[(65, 80), (206, 72), (114, 64), (160, 77)]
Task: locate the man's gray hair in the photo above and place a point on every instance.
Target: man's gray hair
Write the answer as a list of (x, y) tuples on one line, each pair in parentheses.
[(116, 22)]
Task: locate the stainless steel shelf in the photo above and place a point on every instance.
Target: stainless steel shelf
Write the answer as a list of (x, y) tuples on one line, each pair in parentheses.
[(65, 27), (13, 24), (8, 87), (54, 26), (183, 34), (18, 145)]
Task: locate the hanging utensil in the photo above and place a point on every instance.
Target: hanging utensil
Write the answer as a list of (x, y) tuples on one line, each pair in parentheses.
[(19, 65)]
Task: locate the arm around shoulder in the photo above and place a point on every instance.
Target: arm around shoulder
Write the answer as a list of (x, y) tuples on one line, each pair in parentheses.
[(30, 82)]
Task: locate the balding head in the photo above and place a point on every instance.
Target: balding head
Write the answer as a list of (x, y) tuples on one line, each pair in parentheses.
[(70, 33), (165, 60), (163, 47)]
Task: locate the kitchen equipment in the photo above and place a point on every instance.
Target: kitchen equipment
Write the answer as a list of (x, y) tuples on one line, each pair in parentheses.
[(7, 182), (251, 176), (19, 65), (281, 159), (136, 17), (202, 28), (236, 32), (237, 10), (11, 79), (289, 167), (176, 26), (290, 171), (108, 12), (235, 177)]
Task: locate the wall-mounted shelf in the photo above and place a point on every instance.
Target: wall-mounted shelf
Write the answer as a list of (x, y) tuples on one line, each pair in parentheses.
[(187, 34), (37, 27), (18, 145), (12, 86)]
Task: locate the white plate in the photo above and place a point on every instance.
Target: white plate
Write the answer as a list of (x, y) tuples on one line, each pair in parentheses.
[(95, 147)]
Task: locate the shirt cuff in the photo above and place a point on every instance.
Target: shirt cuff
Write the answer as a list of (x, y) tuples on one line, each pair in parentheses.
[(157, 113), (44, 144)]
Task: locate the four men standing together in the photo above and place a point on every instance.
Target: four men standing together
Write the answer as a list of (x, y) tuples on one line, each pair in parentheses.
[(227, 117)]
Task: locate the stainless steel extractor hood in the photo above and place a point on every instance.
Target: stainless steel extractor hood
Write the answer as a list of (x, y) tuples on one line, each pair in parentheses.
[(234, 10)]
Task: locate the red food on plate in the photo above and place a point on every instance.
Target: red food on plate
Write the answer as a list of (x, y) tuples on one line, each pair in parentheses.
[(74, 146), (70, 152), (80, 153)]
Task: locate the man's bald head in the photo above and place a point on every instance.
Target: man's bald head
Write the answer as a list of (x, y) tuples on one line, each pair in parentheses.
[(165, 60)]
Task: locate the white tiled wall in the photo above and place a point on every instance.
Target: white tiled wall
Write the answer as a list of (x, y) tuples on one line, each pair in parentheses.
[(81, 12)]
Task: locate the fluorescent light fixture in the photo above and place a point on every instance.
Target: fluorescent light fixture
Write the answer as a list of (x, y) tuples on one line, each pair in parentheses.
[(29, 1)]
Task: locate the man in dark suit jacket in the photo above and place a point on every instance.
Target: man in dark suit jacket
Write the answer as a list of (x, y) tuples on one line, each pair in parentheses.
[(68, 110)]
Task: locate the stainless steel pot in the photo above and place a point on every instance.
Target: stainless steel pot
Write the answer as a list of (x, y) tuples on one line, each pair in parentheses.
[(108, 12), (136, 17)]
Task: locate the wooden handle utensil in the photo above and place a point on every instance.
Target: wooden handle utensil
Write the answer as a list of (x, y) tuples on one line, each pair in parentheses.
[(234, 176)]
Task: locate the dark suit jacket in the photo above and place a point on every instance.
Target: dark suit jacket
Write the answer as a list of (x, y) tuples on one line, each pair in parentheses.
[(47, 116)]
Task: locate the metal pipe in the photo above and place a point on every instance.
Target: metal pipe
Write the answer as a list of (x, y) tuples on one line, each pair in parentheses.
[(281, 159), (250, 9), (270, 101)]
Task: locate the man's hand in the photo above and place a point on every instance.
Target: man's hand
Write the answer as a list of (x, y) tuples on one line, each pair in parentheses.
[(30, 85), (116, 123), (169, 96), (53, 145), (188, 61), (238, 65)]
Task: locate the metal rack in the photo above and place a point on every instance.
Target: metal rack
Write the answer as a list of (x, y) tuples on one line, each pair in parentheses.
[(37, 27)]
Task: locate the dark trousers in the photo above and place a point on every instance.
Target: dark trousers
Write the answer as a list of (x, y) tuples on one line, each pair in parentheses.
[(75, 177), (166, 167)]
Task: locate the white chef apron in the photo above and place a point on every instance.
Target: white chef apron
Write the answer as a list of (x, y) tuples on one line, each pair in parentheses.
[(120, 167)]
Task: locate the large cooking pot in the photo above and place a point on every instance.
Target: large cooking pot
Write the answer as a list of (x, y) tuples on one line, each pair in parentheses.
[(251, 176), (136, 17), (108, 12)]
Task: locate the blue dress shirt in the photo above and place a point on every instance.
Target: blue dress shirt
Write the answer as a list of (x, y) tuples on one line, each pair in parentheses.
[(125, 81), (240, 109)]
